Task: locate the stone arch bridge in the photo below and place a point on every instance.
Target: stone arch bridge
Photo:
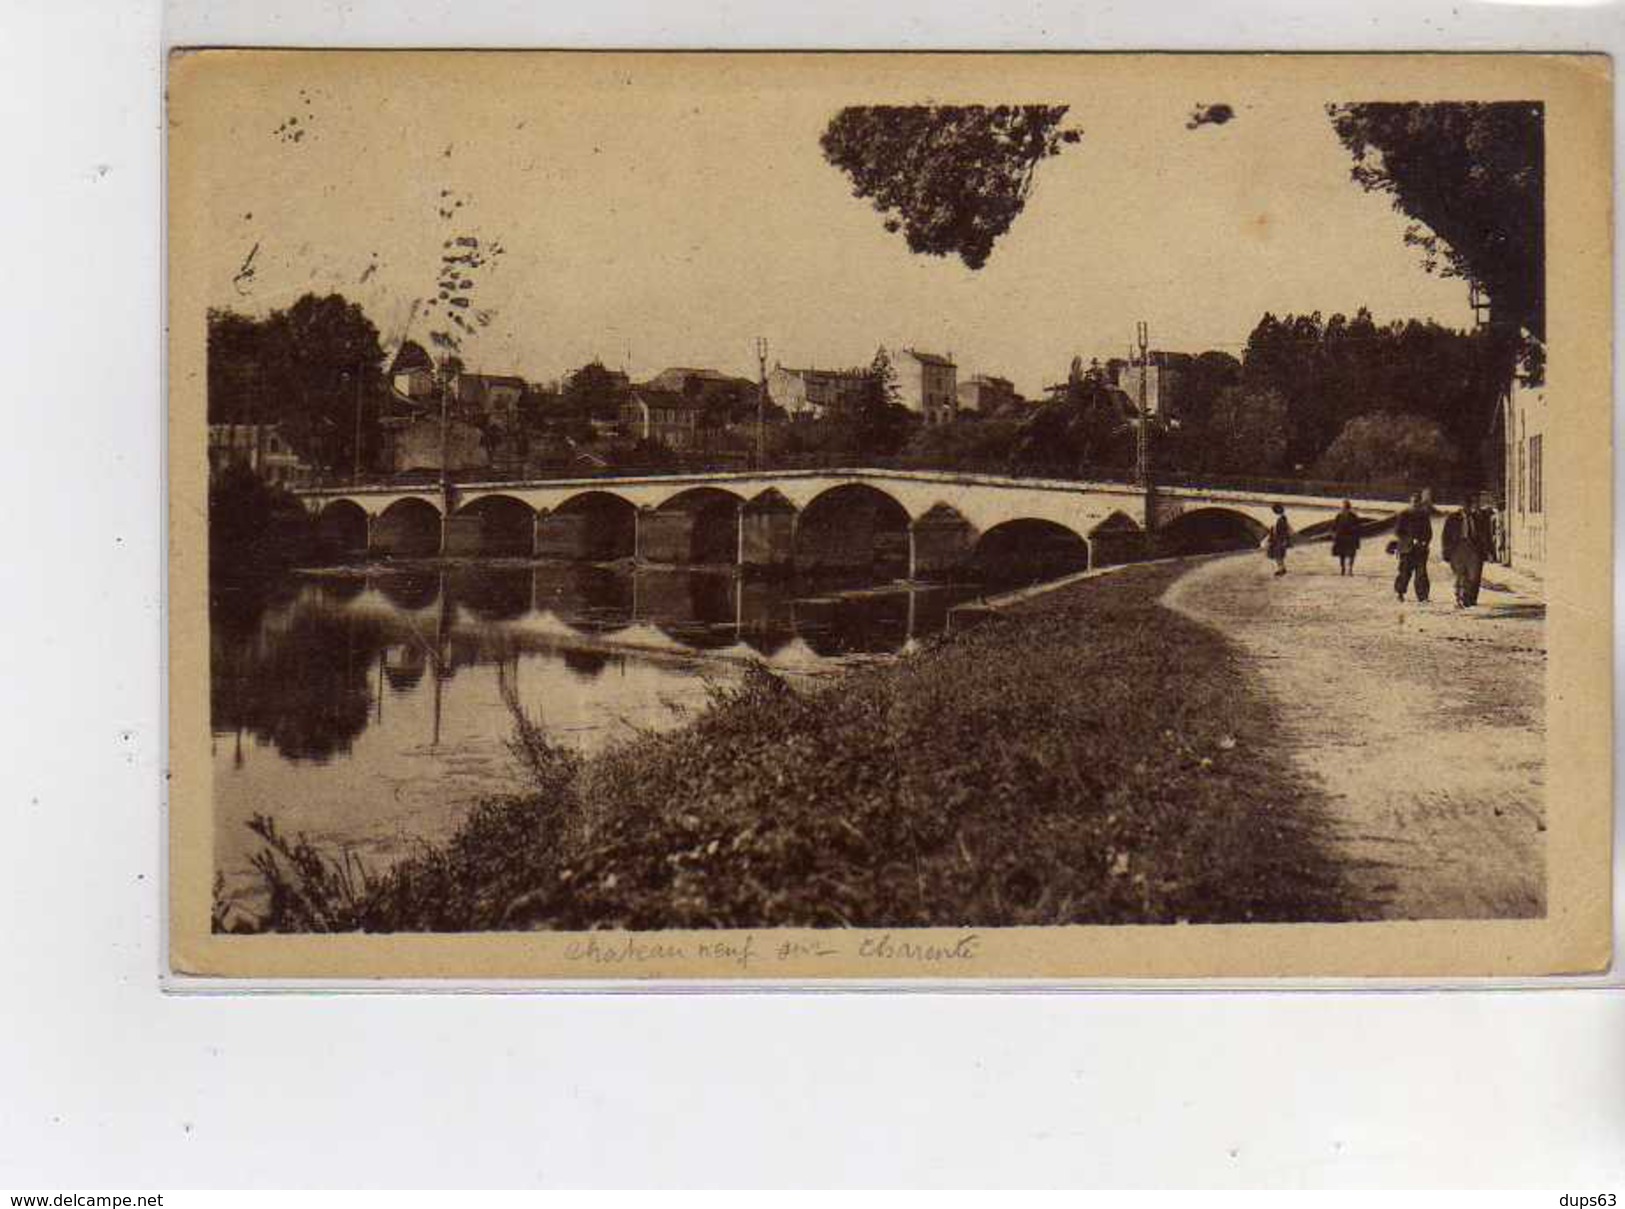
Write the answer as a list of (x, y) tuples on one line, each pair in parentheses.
[(920, 524)]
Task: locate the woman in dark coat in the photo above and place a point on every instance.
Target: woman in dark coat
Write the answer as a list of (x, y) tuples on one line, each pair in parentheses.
[(1345, 539), (1279, 539)]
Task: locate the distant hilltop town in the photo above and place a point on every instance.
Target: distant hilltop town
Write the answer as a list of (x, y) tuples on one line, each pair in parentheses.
[(312, 395), (598, 417)]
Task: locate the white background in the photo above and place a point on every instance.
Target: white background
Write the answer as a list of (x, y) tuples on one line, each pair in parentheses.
[(107, 1082)]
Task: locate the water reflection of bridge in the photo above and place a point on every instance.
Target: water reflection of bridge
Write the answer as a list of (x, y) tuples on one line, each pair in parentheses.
[(311, 668), (682, 613), (918, 524)]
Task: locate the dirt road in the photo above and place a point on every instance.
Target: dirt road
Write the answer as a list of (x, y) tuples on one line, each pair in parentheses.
[(1424, 724)]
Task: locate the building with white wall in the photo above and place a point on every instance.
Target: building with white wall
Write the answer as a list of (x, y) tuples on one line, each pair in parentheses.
[(1524, 493), (927, 384), (809, 393)]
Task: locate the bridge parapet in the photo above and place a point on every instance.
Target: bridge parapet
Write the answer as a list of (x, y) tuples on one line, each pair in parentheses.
[(764, 511)]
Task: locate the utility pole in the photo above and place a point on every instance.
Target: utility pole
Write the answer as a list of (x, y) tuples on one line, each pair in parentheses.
[(1142, 443), (445, 472), (761, 402)]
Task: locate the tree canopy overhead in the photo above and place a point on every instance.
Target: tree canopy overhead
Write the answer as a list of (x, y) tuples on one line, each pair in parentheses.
[(952, 178), (1472, 176)]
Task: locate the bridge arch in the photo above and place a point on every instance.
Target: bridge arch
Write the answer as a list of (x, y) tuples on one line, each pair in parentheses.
[(496, 525), (1209, 530), (1029, 550), (491, 593), (413, 591), (342, 529), (585, 664), (865, 624), (696, 525), (594, 525), (853, 526), (700, 612), (1369, 522), (691, 499), (589, 600), (404, 665), (341, 590), (410, 527)]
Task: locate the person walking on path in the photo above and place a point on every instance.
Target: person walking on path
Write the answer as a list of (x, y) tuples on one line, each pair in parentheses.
[(1413, 535), (1280, 538), (1492, 526), (1468, 542), (1345, 539)]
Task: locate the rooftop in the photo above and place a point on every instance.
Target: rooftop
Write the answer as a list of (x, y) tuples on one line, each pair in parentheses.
[(685, 371), (411, 356), (494, 379), (655, 396), (823, 373)]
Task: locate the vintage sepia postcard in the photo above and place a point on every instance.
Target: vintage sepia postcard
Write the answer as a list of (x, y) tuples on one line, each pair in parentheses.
[(889, 516)]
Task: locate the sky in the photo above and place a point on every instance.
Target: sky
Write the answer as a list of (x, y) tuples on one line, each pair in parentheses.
[(661, 212)]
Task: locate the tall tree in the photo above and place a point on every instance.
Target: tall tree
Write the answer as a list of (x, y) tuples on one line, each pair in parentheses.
[(952, 178), (1080, 429), (1248, 433), (1472, 176), (328, 361), (593, 392), (1395, 450), (1204, 378), (872, 418), (236, 371), (306, 368)]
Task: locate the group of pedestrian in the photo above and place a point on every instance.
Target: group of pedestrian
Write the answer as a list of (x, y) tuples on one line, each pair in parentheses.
[(1468, 542)]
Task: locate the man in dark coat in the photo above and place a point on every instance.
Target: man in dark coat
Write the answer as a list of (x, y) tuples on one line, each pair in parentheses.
[(1469, 542), (1413, 534)]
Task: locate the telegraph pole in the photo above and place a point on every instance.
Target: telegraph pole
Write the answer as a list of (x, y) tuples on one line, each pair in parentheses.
[(761, 402), (1142, 443), (445, 480)]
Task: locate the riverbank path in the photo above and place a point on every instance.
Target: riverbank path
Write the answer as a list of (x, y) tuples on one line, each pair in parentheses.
[(1423, 724)]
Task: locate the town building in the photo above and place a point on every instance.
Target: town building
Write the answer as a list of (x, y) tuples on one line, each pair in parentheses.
[(411, 374), (986, 394), (809, 393), (664, 417), (414, 443), (260, 447), (926, 384), (1096, 384), (1523, 515), (1159, 382), (490, 396), (688, 381), (1131, 379)]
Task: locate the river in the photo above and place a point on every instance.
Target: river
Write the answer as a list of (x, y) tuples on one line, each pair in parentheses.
[(367, 710)]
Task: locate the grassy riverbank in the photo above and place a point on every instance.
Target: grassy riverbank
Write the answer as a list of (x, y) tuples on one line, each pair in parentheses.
[(1090, 758)]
